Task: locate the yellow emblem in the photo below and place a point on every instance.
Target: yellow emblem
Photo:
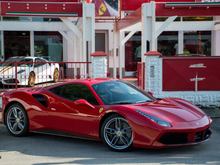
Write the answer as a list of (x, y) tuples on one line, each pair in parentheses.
[(101, 109), (102, 9)]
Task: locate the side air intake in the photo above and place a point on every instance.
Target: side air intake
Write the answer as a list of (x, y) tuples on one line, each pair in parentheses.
[(41, 99)]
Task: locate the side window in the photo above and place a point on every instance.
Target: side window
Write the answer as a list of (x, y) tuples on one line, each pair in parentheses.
[(26, 62), (39, 62), (74, 92)]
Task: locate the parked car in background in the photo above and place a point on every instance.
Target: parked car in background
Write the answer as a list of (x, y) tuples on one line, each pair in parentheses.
[(28, 71), (113, 111)]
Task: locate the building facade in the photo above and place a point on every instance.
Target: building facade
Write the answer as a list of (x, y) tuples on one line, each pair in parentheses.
[(51, 37)]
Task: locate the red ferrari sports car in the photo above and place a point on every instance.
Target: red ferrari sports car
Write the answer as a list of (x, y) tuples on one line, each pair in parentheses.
[(113, 111)]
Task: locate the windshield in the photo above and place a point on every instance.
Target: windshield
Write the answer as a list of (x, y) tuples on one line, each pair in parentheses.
[(20, 62), (118, 92)]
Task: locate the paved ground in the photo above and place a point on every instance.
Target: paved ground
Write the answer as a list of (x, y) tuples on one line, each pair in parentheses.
[(46, 150)]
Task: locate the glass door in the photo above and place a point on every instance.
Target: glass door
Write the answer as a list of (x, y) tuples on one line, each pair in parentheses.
[(16, 43), (132, 54)]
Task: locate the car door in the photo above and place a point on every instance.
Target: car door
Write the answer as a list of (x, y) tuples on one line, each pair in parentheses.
[(24, 67), (66, 115), (42, 70)]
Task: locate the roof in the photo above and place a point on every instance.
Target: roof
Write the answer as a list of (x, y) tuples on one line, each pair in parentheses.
[(87, 82), (90, 81)]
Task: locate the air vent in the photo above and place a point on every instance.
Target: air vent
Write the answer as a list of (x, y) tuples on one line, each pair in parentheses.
[(41, 99)]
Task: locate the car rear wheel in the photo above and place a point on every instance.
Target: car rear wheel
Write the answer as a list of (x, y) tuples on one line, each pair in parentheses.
[(56, 75), (16, 120), (31, 79), (116, 133)]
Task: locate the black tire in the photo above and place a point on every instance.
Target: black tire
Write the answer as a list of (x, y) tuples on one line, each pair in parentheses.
[(119, 134), (21, 119)]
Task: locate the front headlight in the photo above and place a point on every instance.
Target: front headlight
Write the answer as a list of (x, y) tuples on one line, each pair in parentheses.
[(155, 119)]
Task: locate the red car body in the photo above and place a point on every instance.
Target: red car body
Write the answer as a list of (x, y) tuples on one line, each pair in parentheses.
[(189, 124)]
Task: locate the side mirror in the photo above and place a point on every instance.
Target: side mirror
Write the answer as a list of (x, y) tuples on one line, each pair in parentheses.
[(83, 102)]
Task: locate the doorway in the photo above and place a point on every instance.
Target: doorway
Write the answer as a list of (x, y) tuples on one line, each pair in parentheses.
[(16, 43), (132, 54)]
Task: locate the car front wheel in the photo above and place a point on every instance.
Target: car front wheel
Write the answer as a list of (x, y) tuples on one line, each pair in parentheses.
[(16, 120), (116, 133)]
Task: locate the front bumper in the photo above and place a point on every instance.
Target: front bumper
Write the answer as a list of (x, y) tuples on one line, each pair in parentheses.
[(196, 132), (180, 134), (170, 139)]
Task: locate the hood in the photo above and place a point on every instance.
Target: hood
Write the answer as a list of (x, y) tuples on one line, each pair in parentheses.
[(175, 110), (6, 71)]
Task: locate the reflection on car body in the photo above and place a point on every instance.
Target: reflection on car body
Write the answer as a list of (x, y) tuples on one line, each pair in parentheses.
[(27, 71), (113, 111)]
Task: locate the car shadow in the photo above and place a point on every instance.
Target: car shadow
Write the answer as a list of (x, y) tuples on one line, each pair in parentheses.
[(65, 150)]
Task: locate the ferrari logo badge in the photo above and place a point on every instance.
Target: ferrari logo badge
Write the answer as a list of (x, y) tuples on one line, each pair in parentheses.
[(101, 109), (102, 9)]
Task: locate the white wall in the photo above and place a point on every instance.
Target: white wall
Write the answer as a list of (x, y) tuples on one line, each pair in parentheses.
[(216, 38), (112, 40), (215, 43)]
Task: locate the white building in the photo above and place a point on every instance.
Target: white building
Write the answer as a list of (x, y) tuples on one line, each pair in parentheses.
[(74, 38)]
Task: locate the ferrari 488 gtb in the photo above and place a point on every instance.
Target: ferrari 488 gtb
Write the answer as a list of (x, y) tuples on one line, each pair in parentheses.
[(113, 111)]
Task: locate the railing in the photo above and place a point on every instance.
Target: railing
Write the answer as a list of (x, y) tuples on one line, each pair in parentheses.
[(24, 74), (140, 74)]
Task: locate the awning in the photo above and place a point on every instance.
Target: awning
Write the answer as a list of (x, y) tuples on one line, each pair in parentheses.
[(48, 8)]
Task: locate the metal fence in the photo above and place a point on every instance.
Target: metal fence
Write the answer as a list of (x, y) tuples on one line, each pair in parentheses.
[(26, 74)]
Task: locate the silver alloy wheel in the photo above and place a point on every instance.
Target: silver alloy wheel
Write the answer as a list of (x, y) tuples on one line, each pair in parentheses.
[(16, 120), (118, 133)]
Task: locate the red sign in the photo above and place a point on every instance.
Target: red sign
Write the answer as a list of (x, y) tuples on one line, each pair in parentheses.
[(135, 4), (188, 9), (40, 1), (106, 8), (49, 8), (191, 74), (132, 4)]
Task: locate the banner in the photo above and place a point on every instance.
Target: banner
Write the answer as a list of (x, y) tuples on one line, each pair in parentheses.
[(107, 8), (210, 1), (45, 8), (191, 74), (135, 4)]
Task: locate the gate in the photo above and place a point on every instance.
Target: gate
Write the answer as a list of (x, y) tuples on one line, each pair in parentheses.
[(27, 73)]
